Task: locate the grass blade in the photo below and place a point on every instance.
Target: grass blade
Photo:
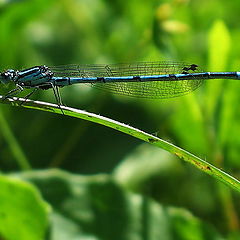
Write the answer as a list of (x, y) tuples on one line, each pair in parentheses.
[(183, 154)]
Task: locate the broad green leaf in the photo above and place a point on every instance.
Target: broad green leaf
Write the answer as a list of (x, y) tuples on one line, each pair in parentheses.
[(219, 47), (187, 120), (96, 207), (229, 121), (143, 163), (23, 213), (228, 133)]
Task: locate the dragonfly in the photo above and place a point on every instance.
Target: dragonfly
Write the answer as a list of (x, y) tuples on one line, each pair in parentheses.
[(154, 80)]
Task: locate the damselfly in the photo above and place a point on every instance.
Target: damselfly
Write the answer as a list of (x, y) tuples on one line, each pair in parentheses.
[(145, 80)]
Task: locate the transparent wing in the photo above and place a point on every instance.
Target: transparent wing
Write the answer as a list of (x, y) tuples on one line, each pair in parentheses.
[(149, 89), (154, 89)]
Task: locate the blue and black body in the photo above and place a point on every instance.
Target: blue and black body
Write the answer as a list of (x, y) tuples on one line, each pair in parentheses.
[(147, 80)]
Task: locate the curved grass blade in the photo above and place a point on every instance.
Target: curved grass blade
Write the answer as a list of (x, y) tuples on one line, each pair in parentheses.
[(183, 154)]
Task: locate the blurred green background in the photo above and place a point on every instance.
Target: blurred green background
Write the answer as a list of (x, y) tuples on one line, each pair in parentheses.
[(205, 123)]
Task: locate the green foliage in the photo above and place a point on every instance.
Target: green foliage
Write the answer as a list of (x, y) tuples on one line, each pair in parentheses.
[(95, 207), (23, 213), (205, 123), (186, 156)]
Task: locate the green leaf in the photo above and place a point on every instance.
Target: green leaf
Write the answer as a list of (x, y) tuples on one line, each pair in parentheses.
[(186, 156), (184, 127), (143, 163), (219, 47), (23, 213), (96, 207)]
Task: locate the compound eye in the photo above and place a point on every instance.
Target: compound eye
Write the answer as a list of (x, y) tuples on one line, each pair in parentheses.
[(7, 76), (4, 78)]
